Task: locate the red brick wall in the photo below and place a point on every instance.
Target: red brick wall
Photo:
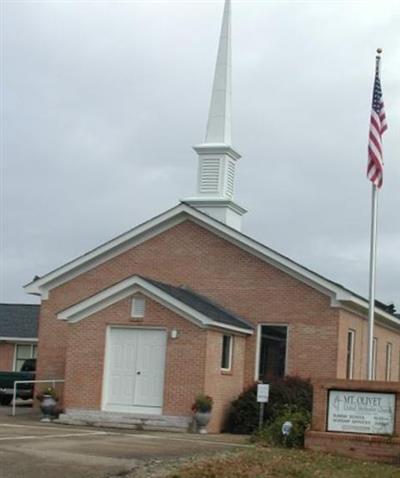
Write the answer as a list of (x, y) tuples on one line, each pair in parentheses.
[(359, 324), (223, 386), (372, 448), (7, 357), (189, 254), (184, 365)]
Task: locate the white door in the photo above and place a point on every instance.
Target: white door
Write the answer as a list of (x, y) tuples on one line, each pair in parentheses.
[(134, 374)]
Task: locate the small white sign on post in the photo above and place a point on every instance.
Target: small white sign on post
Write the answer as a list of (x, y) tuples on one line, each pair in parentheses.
[(262, 399), (262, 393)]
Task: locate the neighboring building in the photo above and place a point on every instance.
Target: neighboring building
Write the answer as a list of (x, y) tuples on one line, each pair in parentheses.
[(18, 334), (185, 303)]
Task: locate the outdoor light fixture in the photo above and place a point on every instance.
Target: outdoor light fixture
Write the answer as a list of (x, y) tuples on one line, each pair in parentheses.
[(174, 334)]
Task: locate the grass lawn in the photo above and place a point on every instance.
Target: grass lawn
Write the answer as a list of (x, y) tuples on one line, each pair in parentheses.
[(283, 463)]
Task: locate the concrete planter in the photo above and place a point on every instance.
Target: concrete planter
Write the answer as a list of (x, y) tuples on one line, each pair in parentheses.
[(202, 419)]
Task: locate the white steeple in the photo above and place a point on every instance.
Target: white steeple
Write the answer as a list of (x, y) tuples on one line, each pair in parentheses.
[(217, 158), (219, 118)]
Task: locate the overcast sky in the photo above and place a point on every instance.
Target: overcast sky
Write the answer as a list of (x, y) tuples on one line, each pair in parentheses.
[(102, 102)]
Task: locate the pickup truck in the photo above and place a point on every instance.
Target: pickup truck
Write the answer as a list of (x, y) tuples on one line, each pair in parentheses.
[(24, 390)]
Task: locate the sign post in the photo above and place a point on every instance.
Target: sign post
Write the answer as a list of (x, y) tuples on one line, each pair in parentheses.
[(262, 399)]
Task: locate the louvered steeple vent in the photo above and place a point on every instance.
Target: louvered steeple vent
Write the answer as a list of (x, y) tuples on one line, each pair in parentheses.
[(217, 158)]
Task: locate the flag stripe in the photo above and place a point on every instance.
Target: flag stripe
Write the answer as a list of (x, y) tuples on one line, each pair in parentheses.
[(377, 127)]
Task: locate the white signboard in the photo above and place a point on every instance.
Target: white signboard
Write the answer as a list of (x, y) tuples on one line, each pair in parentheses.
[(262, 392), (361, 412)]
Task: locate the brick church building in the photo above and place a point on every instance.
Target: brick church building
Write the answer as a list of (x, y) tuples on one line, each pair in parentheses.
[(187, 303)]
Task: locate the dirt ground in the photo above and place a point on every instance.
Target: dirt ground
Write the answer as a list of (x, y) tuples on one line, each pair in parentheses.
[(29, 448)]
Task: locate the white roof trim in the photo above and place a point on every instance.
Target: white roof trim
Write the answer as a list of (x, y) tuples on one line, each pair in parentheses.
[(18, 339), (104, 252), (175, 216), (130, 286)]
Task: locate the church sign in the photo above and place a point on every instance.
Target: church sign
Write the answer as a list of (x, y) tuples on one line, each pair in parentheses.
[(361, 412)]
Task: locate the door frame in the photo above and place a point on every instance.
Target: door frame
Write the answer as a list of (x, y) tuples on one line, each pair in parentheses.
[(104, 387)]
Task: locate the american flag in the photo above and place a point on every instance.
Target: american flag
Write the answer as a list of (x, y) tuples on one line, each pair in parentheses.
[(376, 129)]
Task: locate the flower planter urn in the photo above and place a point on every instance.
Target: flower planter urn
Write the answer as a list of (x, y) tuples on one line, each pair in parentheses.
[(48, 407), (202, 419)]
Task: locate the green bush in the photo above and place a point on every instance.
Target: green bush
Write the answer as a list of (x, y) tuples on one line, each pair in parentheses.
[(289, 391), (271, 433), (243, 415)]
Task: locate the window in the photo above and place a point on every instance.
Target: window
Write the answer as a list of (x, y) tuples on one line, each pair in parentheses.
[(226, 359), (22, 353), (374, 353), (388, 372), (351, 335), (138, 307), (272, 361)]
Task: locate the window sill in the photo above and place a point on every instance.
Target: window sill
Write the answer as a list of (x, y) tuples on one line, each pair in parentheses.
[(226, 372)]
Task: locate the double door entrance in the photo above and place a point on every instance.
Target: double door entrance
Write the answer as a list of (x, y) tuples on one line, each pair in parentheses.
[(134, 370)]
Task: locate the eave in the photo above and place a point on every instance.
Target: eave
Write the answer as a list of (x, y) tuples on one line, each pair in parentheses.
[(172, 217), (133, 285)]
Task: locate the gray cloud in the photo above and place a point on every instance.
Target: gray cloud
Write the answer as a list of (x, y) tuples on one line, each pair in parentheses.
[(103, 101)]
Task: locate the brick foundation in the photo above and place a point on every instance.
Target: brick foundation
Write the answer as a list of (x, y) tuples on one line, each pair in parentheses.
[(366, 447)]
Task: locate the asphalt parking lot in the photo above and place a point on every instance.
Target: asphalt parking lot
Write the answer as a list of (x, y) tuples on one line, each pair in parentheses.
[(29, 448)]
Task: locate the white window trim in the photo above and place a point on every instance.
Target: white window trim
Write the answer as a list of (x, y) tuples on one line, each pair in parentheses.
[(374, 356), (388, 368), (351, 332), (258, 345), (231, 340)]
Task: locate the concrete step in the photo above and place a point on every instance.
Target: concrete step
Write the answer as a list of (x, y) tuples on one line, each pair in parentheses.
[(124, 420)]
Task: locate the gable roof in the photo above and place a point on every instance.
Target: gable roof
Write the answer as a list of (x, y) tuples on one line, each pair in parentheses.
[(203, 304), (19, 321), (340, 296), (187, 303)]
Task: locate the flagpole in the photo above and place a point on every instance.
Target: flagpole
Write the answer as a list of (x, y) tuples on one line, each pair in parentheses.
[(372, 264), (372, 280)]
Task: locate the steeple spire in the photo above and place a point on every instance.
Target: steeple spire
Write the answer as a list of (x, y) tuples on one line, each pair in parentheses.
[(217, 158), (219, 118)]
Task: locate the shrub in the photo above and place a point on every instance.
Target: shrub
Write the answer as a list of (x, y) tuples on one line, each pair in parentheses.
[(289, 391), (272, 433), (243, 416), (203, 403)]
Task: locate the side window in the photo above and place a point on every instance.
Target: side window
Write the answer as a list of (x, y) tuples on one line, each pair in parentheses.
[(351, 336), (273, 345), (23, 352), (374, 355), (388, 372), (226, 358)]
